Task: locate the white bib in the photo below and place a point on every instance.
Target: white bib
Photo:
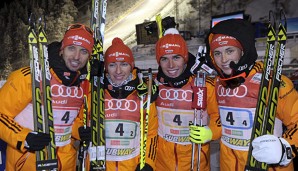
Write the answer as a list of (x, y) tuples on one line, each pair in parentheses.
[(123, 139)]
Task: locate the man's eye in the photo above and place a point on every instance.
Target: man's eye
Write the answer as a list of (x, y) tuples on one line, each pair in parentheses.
[(230, 51), (163, 59), (84, 51), (70, 47), (124, 64), (176, 57), (111, 65), (216, 54)]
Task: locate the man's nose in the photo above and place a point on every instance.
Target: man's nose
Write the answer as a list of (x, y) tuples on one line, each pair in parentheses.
[(171, 63), (118, 69), (77, 54)]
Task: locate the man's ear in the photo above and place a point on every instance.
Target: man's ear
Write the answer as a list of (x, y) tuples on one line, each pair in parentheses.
[(61, 52)]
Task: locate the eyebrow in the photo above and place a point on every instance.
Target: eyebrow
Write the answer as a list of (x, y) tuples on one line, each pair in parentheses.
[(177, 56), (173, 56), (229, 48)]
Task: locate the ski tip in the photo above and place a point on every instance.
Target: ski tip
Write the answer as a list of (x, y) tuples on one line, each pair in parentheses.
[(32, 19), (283, 18)]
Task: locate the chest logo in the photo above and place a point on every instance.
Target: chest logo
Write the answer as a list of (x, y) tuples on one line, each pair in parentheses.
[(64, 91), (173, 94), (238, 92), (121, 104)]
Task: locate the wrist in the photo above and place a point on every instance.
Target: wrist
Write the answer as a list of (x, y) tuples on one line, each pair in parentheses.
[(287, 152)]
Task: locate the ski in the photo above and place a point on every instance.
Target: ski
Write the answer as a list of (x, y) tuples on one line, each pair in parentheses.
[(41, 93), (97, 147), (82, 166), (159, 25), (269, 88), (144, 121), (141, 88), (47, 97), (263, 92)]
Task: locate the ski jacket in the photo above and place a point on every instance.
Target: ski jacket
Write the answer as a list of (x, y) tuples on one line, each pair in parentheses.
[(16, 120), (174, 114), (237, 110), (122, 124)]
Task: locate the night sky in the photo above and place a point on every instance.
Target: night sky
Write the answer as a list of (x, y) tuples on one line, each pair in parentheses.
[(2, 2)]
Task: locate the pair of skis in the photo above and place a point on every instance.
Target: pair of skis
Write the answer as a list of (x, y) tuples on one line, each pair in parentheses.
[(41, 93), (269, 87), (96, 119), (97, 147)]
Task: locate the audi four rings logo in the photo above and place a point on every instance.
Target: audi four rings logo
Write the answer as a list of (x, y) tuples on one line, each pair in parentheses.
[(121, 104), (238, 92), (64, 91), (172, 94)]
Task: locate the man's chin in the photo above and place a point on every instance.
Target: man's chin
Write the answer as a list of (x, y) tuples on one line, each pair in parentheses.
[(172, 76), (73, 69), (227, 72)]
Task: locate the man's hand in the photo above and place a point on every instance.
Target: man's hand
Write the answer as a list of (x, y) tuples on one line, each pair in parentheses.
[(36, 141), (272, 150), (147, 167), (199, 134), (85, 133)]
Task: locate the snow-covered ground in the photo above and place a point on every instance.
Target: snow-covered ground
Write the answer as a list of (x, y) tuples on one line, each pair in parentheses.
[(2, 83)]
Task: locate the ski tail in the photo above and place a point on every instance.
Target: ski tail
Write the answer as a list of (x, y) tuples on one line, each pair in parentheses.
[(269, 88)]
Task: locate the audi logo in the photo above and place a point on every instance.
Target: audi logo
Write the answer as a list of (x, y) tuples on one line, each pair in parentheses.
[(129, 88), (176, 94), (121, 104), (243, 67), (64, 91), (238, 92)]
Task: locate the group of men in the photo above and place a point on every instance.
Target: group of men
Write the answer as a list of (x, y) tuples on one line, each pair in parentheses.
[(229, 114)]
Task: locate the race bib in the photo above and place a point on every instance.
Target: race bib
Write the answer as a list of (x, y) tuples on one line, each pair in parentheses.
[(122, 139), (237, 124), (63, 120), (174, 124), (122, 129)]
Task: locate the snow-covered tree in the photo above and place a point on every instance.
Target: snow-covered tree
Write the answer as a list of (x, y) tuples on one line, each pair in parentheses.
[(57, 14), (7, 69), (63, 15), (8, 44)]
